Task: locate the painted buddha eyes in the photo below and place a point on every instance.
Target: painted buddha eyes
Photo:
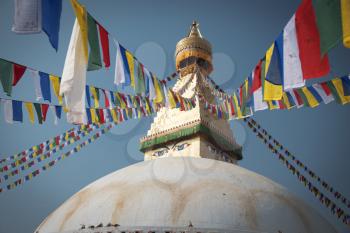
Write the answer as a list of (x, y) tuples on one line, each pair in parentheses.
[(181, 146), (165, 150)]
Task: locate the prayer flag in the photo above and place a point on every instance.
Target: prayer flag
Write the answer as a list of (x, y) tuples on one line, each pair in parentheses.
[(88, 96), (17, 73), (273, 79), (297, 98), (81, 17), (326, 96), (37, 107), (259, 104), (96, 96), (55, 81), (336, 87), (345, 14), (51, 15), (45, 86), (8, 111), (159, 96), (27, 16), (37, 85), (95, 62), (119, 77), (308, 97), (29, 107), (74, 77), (312, 63), (346, 85), (105, 45), (6, 76), (17, 110), (328, 19), (44, 109), (130, 60), (292, 72)]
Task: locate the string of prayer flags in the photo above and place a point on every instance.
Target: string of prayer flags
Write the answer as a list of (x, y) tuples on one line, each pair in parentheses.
[(13, 110), (275, 147), (50, 164), (29, 161), (36, 148), (33, 16), (300, 164), (345, 14)]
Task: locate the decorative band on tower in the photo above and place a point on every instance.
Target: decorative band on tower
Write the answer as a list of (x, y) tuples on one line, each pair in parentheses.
[(193, 51)]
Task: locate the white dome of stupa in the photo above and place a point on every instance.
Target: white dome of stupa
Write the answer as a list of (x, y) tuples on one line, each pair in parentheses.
[(169, 194)]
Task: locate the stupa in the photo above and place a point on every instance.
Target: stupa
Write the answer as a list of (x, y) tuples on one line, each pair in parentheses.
[(190, 180)]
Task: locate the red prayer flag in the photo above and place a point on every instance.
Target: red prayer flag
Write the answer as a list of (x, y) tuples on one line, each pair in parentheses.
[(312, 63), (102, 117), (106, 99), (18, 71), (257, 80), (105, 45), (44, 108), (326, 88)]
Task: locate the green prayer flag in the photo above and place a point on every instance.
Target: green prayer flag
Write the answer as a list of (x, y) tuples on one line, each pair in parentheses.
[(328, 18), (140, 86), (95, 62), (6, 76), (37, 107)]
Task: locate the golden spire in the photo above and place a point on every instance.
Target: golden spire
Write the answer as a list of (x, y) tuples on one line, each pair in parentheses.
[(193, 50)]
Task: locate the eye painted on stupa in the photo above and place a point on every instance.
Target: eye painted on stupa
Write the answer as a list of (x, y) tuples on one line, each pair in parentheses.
[(181, 146), (161, 152)]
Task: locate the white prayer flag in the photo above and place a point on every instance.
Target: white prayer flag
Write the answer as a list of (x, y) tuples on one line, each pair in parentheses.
[(74, 78), (119, 77), (293, 74)]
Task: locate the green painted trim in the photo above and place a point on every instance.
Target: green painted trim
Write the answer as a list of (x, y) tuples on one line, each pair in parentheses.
[(200, 128)]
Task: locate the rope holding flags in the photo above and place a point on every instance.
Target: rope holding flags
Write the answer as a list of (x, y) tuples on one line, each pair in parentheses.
[(48, 165), (338, 195), (30, 160), (334, 208)]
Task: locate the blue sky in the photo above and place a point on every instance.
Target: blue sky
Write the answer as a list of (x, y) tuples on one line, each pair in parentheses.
[(240, 32)]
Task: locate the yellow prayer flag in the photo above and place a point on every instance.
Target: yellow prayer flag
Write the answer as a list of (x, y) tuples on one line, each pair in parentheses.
[(29, 107), (310, 97), (237, 108), (56, 87), (339, 88), (172, 102), (95, 96), (272, 91), (93, 116), (345, 13), (130, 59), (159, 93), (114, 116), (268, 56), (81, 15)]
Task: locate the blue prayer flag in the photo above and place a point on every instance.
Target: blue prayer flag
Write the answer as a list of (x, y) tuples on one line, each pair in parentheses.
[(45, 86), (51, 15), (17, 113), (346, 85)]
